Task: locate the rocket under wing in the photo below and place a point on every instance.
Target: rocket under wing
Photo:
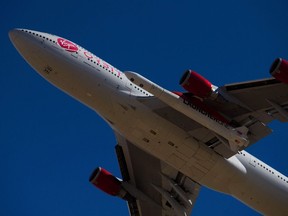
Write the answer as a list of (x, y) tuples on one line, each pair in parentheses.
[(236, 137)]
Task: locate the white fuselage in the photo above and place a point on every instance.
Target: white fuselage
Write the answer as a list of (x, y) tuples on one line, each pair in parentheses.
[(106, 90)]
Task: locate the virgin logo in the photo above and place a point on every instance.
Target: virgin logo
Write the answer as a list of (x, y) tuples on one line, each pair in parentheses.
[(67, 45)]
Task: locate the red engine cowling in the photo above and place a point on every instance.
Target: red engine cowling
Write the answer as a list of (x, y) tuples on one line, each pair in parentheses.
[(106, 182), (279, 70), (196, 84)]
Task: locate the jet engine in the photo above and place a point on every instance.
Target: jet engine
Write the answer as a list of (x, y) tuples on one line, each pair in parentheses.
[(108, 183), (196, 84), (279, 70)]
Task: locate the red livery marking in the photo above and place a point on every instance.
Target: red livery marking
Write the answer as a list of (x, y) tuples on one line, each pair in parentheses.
[(88, 55), (67, 45), (105, 65)]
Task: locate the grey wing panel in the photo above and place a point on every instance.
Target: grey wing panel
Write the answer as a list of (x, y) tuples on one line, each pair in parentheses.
[(153, 179), (253, 104), (257, 97)]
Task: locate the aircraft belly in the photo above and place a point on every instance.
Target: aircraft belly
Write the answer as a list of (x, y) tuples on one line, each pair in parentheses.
[(164, 140), (164, 137)]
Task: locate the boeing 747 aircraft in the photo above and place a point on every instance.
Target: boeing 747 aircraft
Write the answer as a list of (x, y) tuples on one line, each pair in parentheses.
[(169, 144)]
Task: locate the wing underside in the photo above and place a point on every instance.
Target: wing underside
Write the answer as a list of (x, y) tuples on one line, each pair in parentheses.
[(252, 104), (161, 189), (265, 99)]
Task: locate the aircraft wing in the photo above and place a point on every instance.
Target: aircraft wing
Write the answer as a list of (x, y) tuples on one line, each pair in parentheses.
[(158, 189), (252, 104), (264, 100)]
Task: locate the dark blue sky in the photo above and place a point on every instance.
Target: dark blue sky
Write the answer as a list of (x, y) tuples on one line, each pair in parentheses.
[(50, 143)]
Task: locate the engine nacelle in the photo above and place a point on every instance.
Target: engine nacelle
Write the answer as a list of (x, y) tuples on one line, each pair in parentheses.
[(196, 84), (279, 70), (108, 183)]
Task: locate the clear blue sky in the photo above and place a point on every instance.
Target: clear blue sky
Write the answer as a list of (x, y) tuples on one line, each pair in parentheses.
[(50, 143)]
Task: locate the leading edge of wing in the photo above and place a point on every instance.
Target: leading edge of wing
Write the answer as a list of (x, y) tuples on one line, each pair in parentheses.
[(251, 84)]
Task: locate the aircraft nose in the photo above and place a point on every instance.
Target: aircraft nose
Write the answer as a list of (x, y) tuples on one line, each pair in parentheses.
[(19, 37), (24, 42), (13, 34)]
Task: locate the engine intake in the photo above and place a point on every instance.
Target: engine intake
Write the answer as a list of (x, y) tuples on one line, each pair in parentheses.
[(105, 181), (108, 183), (279, 70), (196, 84)]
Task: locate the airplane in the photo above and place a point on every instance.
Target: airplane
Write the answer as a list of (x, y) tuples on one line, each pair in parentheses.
[(170, 144)]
